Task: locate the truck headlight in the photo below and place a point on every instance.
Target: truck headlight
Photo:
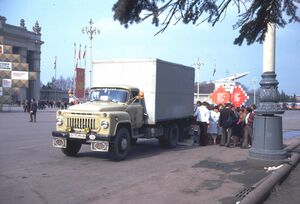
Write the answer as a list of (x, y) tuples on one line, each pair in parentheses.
[(59, 121), (104, 124)]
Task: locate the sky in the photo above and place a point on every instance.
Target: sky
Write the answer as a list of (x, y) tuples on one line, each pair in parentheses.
[(62, 22)]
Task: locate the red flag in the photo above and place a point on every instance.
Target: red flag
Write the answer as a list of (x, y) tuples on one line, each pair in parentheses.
[(80, 76), (84, 53), (74, 50), (79, 53), (214, 71)]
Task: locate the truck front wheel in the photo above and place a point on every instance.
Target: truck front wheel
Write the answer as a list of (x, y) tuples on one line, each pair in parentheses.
[(119, 149), (72, 148)]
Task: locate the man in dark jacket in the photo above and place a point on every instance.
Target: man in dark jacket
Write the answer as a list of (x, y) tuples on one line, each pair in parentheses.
[(33, 110), (226, 121)]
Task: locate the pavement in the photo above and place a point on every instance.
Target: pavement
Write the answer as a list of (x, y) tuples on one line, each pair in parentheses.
[(210, 174), (254, 183)]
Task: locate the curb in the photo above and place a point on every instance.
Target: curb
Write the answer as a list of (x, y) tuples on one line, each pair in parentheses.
[(263, 188)]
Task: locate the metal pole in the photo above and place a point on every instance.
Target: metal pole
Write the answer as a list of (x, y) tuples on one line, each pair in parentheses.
[(90, 31), (198, 65), (55, 80), (91, 62)]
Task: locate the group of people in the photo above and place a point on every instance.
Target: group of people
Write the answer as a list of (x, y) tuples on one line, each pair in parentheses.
[(226, 125)]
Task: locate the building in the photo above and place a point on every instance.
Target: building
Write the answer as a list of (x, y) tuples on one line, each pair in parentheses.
[(208, 87), (20, 56)]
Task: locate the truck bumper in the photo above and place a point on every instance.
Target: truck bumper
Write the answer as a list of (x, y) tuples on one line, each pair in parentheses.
[(97, 142)]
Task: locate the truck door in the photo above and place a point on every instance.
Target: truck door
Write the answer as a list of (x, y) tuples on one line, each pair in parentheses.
[(136, 112)]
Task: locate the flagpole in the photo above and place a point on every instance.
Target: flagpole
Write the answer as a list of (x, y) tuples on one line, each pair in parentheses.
[(74, 73), (55, 79)]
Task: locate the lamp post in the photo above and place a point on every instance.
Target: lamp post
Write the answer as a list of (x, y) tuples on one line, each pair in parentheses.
[(254, 91), (90, 31), (267, 145), (198, 64)]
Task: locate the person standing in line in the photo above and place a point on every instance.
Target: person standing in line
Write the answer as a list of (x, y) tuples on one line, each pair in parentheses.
[(227, 118), (196, 132), (33, 110), (202, 114), (248, 130), (213, 129), (237, 128)]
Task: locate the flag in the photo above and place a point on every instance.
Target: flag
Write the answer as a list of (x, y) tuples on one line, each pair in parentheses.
[(79, 53), (84, 53), (74, 50), (55, 63), (214, 71)]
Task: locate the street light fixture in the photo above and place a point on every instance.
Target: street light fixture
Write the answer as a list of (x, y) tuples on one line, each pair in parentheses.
[(90, 31), (198, 64)]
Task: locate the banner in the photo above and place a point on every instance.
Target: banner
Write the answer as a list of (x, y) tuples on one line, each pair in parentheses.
[(220, 96), (238, 96), (19, 75), (5, 65), (6, 83), (80, 80)]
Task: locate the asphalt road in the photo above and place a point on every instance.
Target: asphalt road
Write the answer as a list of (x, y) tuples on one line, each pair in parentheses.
[(32, 171)]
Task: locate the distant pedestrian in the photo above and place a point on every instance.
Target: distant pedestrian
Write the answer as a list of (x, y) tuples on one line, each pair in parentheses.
[(202, 114), (238, 127), (226, 121), (213, 129), (33, 110), (248, 130), (196, 129)]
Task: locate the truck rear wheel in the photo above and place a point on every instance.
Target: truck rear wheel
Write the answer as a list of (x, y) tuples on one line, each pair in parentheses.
[(72, 148), (173, 136), (119, 149)]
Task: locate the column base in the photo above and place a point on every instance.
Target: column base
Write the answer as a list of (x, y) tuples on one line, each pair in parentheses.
[(267, 147)]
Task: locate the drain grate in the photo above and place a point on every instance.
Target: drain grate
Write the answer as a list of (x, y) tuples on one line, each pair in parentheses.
[(242, 194)]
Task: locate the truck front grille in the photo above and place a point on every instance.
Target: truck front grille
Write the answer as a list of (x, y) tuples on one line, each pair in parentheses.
[(81, 123)]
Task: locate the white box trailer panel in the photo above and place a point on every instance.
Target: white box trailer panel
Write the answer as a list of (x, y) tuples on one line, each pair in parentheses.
[(168, 87)]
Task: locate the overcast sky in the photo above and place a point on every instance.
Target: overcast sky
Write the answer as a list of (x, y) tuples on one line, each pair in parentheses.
[(62, 21)]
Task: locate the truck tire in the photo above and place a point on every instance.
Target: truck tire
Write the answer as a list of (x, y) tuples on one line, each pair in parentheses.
[(119, 148), (163, 142), (72, 148), (173, 136), (133, 141)]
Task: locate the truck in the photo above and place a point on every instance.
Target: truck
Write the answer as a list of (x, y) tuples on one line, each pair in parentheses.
[(129, 99)]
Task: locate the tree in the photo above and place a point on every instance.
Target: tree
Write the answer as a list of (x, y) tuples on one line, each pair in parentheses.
[(253, 15)]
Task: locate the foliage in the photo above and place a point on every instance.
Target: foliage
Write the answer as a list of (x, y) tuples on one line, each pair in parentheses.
[(61, 83), (253, 15), (283, 97)]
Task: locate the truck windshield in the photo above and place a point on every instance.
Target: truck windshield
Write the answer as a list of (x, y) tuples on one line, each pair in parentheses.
[(109, 94)]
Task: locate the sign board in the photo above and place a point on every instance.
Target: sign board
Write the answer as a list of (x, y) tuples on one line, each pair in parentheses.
[(19, 75), (6, 83), (238, 96), (5, 65), (220, 96)]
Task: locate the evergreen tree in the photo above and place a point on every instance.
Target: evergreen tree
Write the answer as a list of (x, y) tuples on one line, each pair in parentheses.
[(253, 15)]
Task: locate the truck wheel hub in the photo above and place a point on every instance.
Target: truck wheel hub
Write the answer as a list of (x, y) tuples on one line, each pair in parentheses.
[(124, 144)]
